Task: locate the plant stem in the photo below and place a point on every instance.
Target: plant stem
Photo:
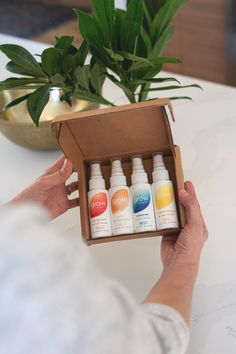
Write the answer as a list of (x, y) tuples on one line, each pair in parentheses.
[(131, 98), (128, 84), (143, 94)]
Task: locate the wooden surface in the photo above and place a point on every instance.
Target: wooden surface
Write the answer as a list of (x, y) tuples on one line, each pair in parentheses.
[(67, 28), (79, 3), (200, 40)]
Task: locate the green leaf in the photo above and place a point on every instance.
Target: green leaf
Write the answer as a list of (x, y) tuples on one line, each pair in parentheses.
[(14, 102), (163, 41), (82, 53), (153, 6), (152, 72), (147, 13), (141, 65), (92, 34), (147, 41), (135, 58), (149, 63), (164, 16), (180, 98), (82, 76), (52, 61), (64, 43), (126, 90), (91, 97), (67, 97), (68, 64), (16, 69), (72, 50), (146, 72), (131, 25), (156, 80), (103, 58), (164, 60), (97, 77), (141, 49), (114, 56), (14, 82), (119, 15), (90, 30), (163, 79), (57, 80), (37, 102), (22, 58), (148, 79), (172, 88), (104, 13)]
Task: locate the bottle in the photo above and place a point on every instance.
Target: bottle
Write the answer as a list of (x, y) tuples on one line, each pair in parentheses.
[(119, 197), (141, 198), (99, 211), (163, 195)]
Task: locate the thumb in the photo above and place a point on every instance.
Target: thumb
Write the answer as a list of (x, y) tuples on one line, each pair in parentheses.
[(191, 205), (59, 176), (185, 198)]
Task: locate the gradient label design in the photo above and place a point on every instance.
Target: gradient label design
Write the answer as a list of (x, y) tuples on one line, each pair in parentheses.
[(141, 200), (98, 204), (119, 201), (164, 196)]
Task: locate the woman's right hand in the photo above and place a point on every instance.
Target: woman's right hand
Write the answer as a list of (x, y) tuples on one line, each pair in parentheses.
[(186, 248), (180, 256)]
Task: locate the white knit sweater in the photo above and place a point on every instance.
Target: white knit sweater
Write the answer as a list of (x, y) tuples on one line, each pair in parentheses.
[(53, 300)]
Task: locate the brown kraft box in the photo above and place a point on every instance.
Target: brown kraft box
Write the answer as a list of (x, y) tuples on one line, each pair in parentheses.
[(102, 134)]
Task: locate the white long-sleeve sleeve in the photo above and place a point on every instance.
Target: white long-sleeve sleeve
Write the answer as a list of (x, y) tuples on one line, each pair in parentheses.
[(53, 300)]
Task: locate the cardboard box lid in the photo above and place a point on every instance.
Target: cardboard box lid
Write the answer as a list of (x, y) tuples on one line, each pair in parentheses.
[(104, 133)]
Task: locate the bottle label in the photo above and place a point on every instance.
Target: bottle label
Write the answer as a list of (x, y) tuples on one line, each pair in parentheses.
[(119, 201), (98, 204), (141, 200), (164, 196)]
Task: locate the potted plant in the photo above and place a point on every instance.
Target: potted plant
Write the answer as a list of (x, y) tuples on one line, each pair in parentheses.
[(125, 47)]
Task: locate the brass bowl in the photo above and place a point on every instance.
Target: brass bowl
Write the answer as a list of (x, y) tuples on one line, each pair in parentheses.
[(17, 125)]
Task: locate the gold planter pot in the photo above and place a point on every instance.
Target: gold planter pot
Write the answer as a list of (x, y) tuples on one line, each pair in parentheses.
[(17, 125)]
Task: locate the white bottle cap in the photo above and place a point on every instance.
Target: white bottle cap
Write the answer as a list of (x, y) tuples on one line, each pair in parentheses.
[(117, 175), (159, 169), (139, 175), (96, 180), (158, 161)]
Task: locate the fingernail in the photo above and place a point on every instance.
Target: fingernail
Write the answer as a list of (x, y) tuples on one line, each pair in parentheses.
[(64, 164), (183, 193)]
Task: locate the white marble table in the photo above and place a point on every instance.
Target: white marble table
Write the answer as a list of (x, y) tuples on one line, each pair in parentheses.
[(206, 132)]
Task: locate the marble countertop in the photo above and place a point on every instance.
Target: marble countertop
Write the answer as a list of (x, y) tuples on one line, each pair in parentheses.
[(205, 129)]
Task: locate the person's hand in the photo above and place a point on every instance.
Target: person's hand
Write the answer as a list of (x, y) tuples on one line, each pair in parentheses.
[(186, 248), (50, 190), (180, 256)]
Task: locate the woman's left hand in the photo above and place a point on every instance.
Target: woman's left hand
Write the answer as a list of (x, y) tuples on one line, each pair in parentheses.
[(50, 190)]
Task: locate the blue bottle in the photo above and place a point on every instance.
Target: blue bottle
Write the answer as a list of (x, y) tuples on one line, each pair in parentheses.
[(141, 198)]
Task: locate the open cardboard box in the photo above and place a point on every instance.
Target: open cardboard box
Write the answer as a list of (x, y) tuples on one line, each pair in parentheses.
[(99, 135)]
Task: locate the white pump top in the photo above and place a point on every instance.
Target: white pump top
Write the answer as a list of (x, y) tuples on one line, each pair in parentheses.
[(117, 175), (159, 169), (96, 180), (139, 175)]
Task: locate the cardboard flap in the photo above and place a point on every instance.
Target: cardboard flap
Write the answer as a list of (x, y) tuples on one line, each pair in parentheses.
[(111, 132)]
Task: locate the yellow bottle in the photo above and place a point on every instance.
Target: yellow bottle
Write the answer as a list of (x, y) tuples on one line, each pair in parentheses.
[(163, 195)]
